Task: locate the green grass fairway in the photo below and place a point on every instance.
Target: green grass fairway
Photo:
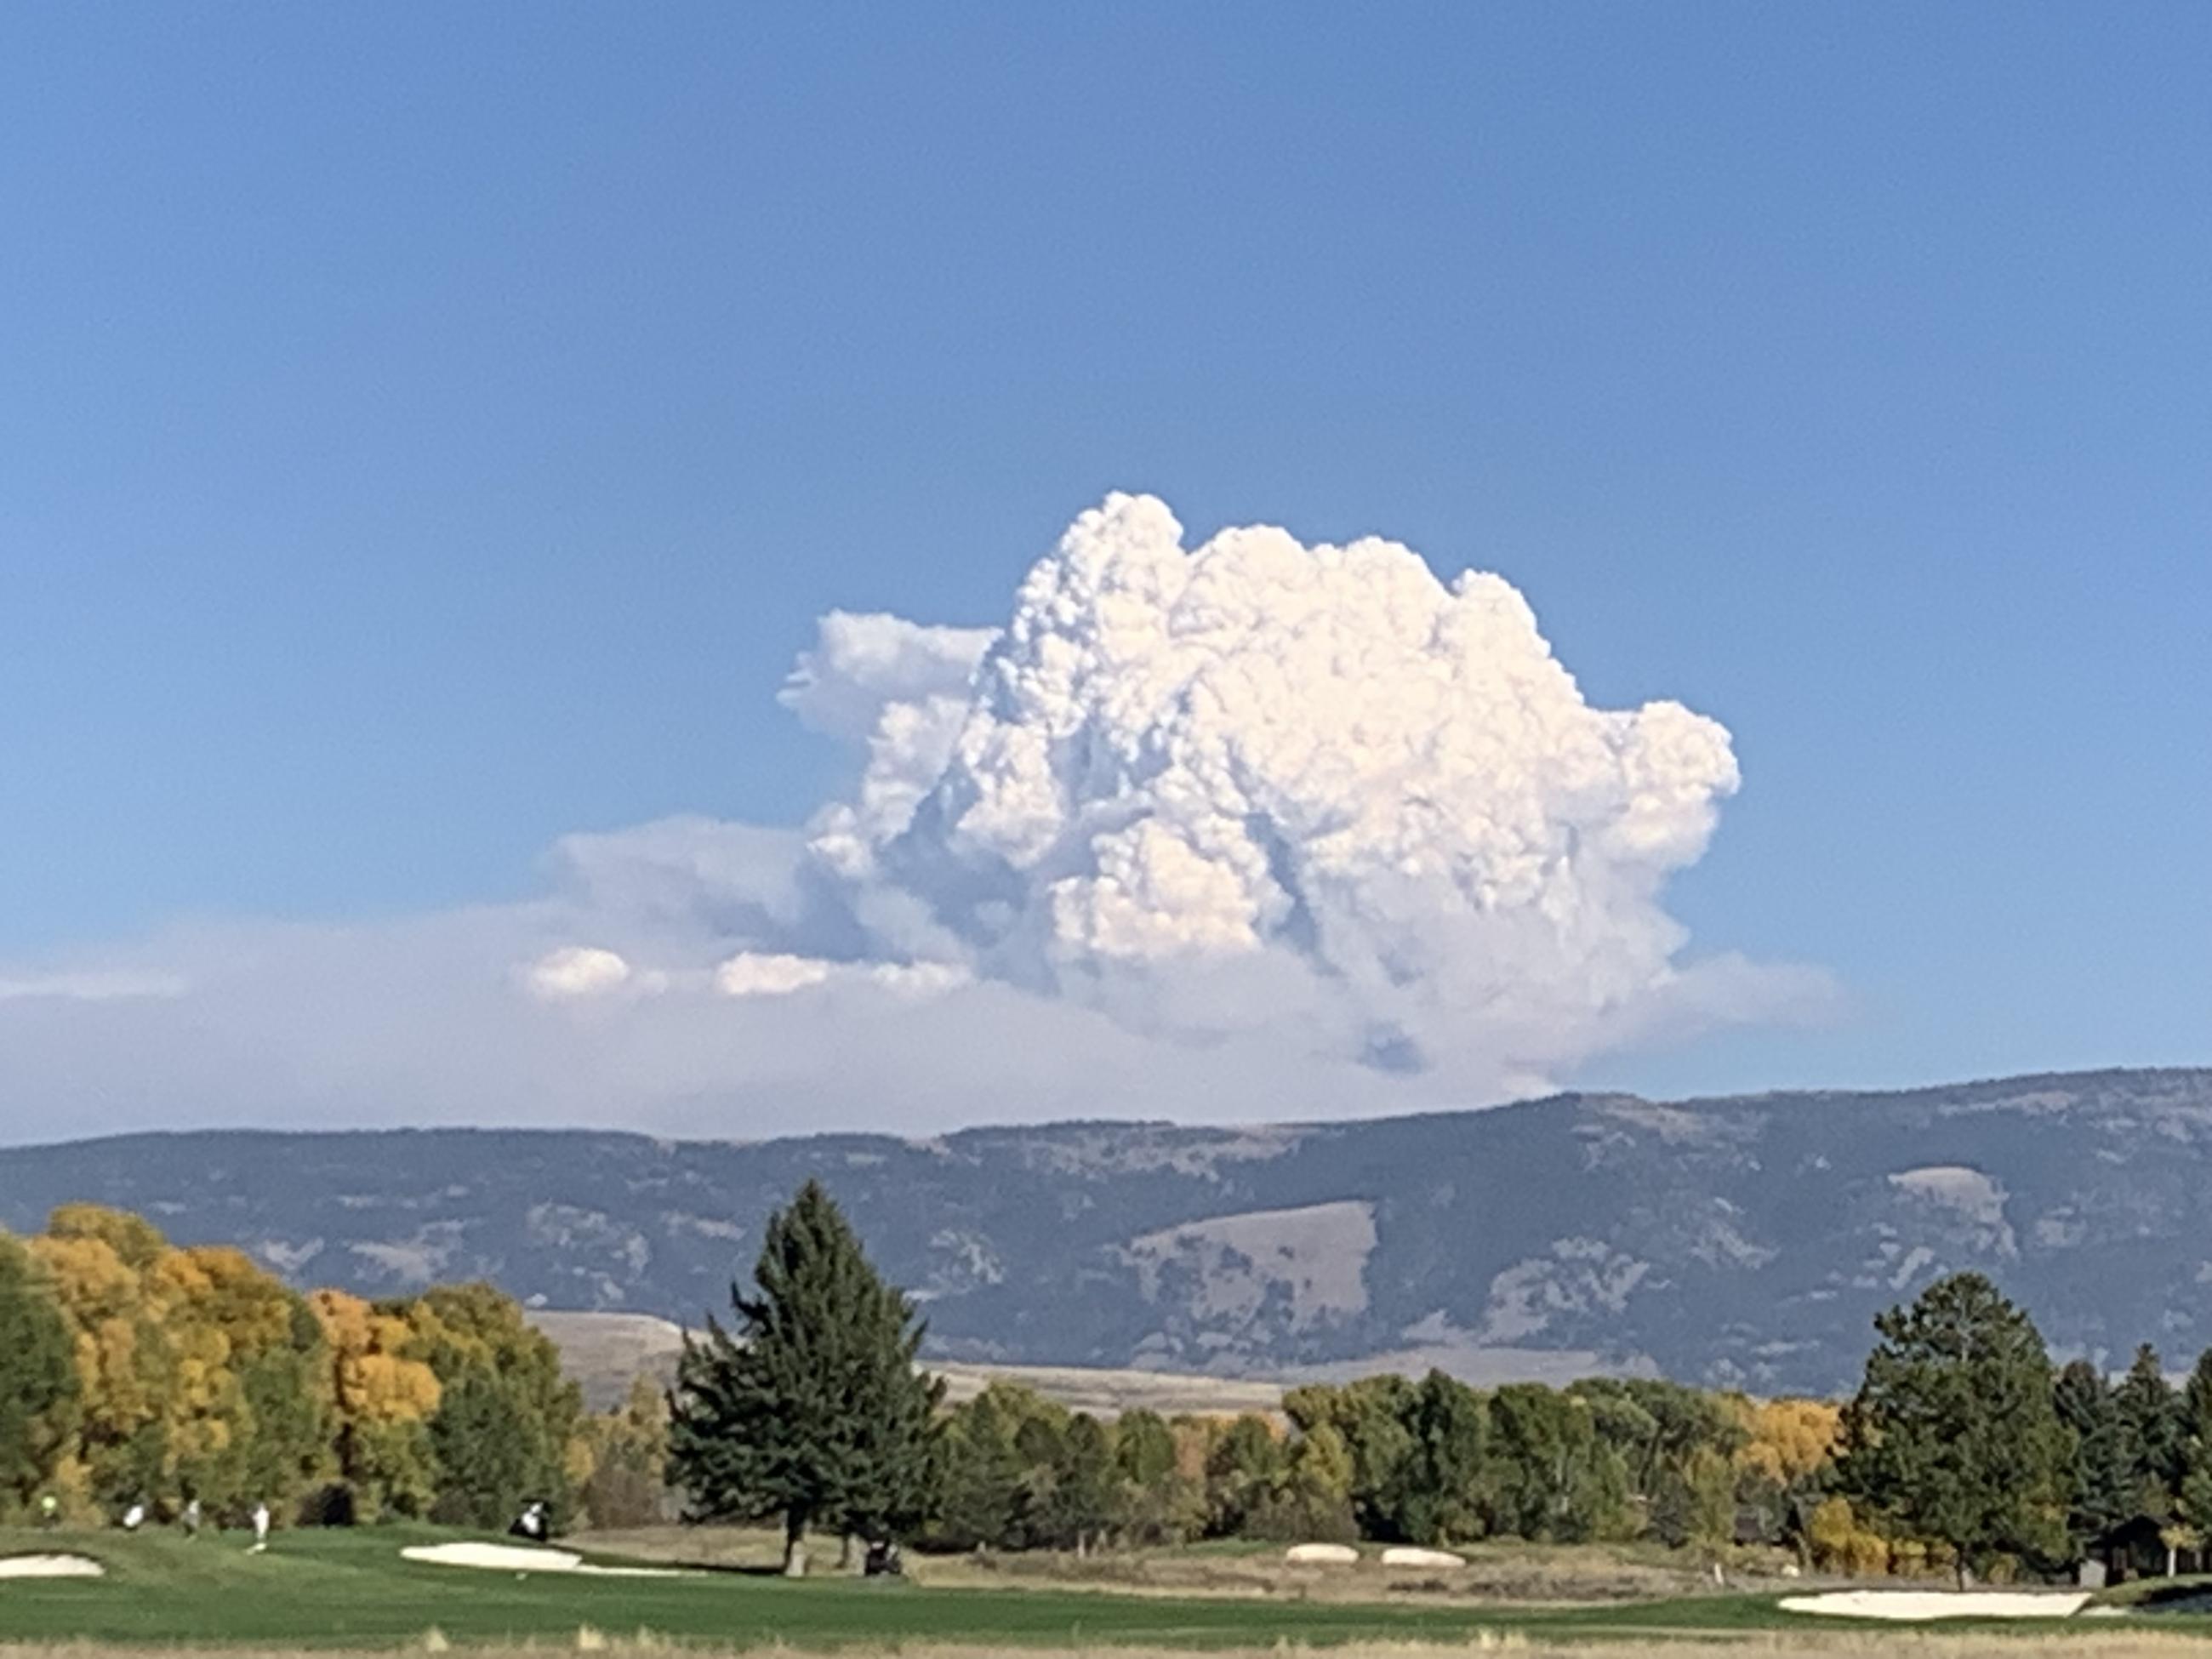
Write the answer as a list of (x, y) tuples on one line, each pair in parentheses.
[(350, 1588)]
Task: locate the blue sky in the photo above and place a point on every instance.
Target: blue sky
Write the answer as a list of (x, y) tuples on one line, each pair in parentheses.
[(428, 431)]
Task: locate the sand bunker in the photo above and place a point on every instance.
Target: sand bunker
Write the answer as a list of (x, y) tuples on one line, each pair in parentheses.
[(525, 1558), (1405, 1555), (1321, 1555), (1912, 1605), (50, 1567)]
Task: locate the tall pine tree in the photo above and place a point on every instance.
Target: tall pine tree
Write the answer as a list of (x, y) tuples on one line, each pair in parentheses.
[(812, 1410), (2102, 1495), (2195, 1486), (1954, 1434), (2150, 1436)]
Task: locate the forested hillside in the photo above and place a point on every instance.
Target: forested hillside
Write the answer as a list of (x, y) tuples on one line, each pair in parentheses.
[(1734, 1243)]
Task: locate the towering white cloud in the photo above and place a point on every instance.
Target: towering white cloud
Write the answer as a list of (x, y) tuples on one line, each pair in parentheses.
[(1242, 831), (1173, 763)]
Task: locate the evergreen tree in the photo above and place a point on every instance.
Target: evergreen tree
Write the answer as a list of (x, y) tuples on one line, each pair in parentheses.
[(2100, 1491), (978, 1481), (814, 1409), (38, 1381), (1082, 1502), (983, 1494), (1954, 1432), (2196, 1452), (2150, 1431)]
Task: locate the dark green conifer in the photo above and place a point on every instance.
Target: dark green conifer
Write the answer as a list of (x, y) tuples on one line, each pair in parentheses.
[(813, 1409), (2150, 1436), (983, 1488), (2195, 1486), (1082, 1498), (1953, 1434), (2101, 1492)]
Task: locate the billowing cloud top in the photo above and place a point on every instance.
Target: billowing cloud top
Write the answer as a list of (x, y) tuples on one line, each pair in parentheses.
[(1246, 829), (1177, 757)]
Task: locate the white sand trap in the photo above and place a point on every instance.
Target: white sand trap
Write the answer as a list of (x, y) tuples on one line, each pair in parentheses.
[(50, 1567), (1913, 1605), (525, 1558), (1405, 1555), (1321, 1555)]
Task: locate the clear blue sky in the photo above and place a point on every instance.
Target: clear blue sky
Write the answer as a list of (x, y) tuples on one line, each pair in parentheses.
[(425, 431)]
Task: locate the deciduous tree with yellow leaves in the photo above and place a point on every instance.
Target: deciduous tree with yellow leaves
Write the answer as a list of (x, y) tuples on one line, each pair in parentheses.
[(383, 1399), (199, 1375)]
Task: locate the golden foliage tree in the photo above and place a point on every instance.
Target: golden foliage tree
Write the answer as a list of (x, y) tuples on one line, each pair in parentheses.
[(1788, 1441), (383, 1399), (199, 1374)]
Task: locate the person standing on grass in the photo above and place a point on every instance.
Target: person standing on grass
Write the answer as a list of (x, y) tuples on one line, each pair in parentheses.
[(135, 1516), (50, 1511), (191, 1518), (260, 1527)]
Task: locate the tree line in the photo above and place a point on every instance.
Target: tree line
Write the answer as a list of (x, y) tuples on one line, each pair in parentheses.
[(1389, 1460), (813, 1411), (134, 1371), (1964, 1449)]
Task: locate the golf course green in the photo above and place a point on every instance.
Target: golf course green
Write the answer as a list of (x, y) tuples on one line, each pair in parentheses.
[(352, 1588)]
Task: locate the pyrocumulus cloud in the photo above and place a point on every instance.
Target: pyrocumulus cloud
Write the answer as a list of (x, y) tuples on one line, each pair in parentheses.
[(1242, 829), (1189, 783)]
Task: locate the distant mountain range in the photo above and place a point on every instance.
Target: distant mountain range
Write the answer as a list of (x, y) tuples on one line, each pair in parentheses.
[(1746, 1240)]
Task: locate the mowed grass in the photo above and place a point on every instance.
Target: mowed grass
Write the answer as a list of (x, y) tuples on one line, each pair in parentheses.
[(350, 1588), (341, 1590)]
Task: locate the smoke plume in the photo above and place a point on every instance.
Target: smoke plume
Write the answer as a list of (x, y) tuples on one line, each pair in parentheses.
[(1242, 830), (1205, 787)]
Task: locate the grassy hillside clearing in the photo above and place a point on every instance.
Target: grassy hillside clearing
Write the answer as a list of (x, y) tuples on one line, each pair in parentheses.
[(605, 1352)]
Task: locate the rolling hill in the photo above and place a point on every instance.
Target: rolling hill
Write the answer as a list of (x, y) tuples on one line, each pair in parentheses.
[(1744, 1240)]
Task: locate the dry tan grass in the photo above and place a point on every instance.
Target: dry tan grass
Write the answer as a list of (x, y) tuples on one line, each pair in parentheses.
[(1520, 1576), (604, 1352), (2098, 1644), (1105, 1393), (1508, 1572)]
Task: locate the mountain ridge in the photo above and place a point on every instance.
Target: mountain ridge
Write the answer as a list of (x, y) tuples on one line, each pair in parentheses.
[(1742, 1240)]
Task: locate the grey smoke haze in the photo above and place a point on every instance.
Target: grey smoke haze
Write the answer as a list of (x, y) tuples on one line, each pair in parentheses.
[(1248, 830)]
